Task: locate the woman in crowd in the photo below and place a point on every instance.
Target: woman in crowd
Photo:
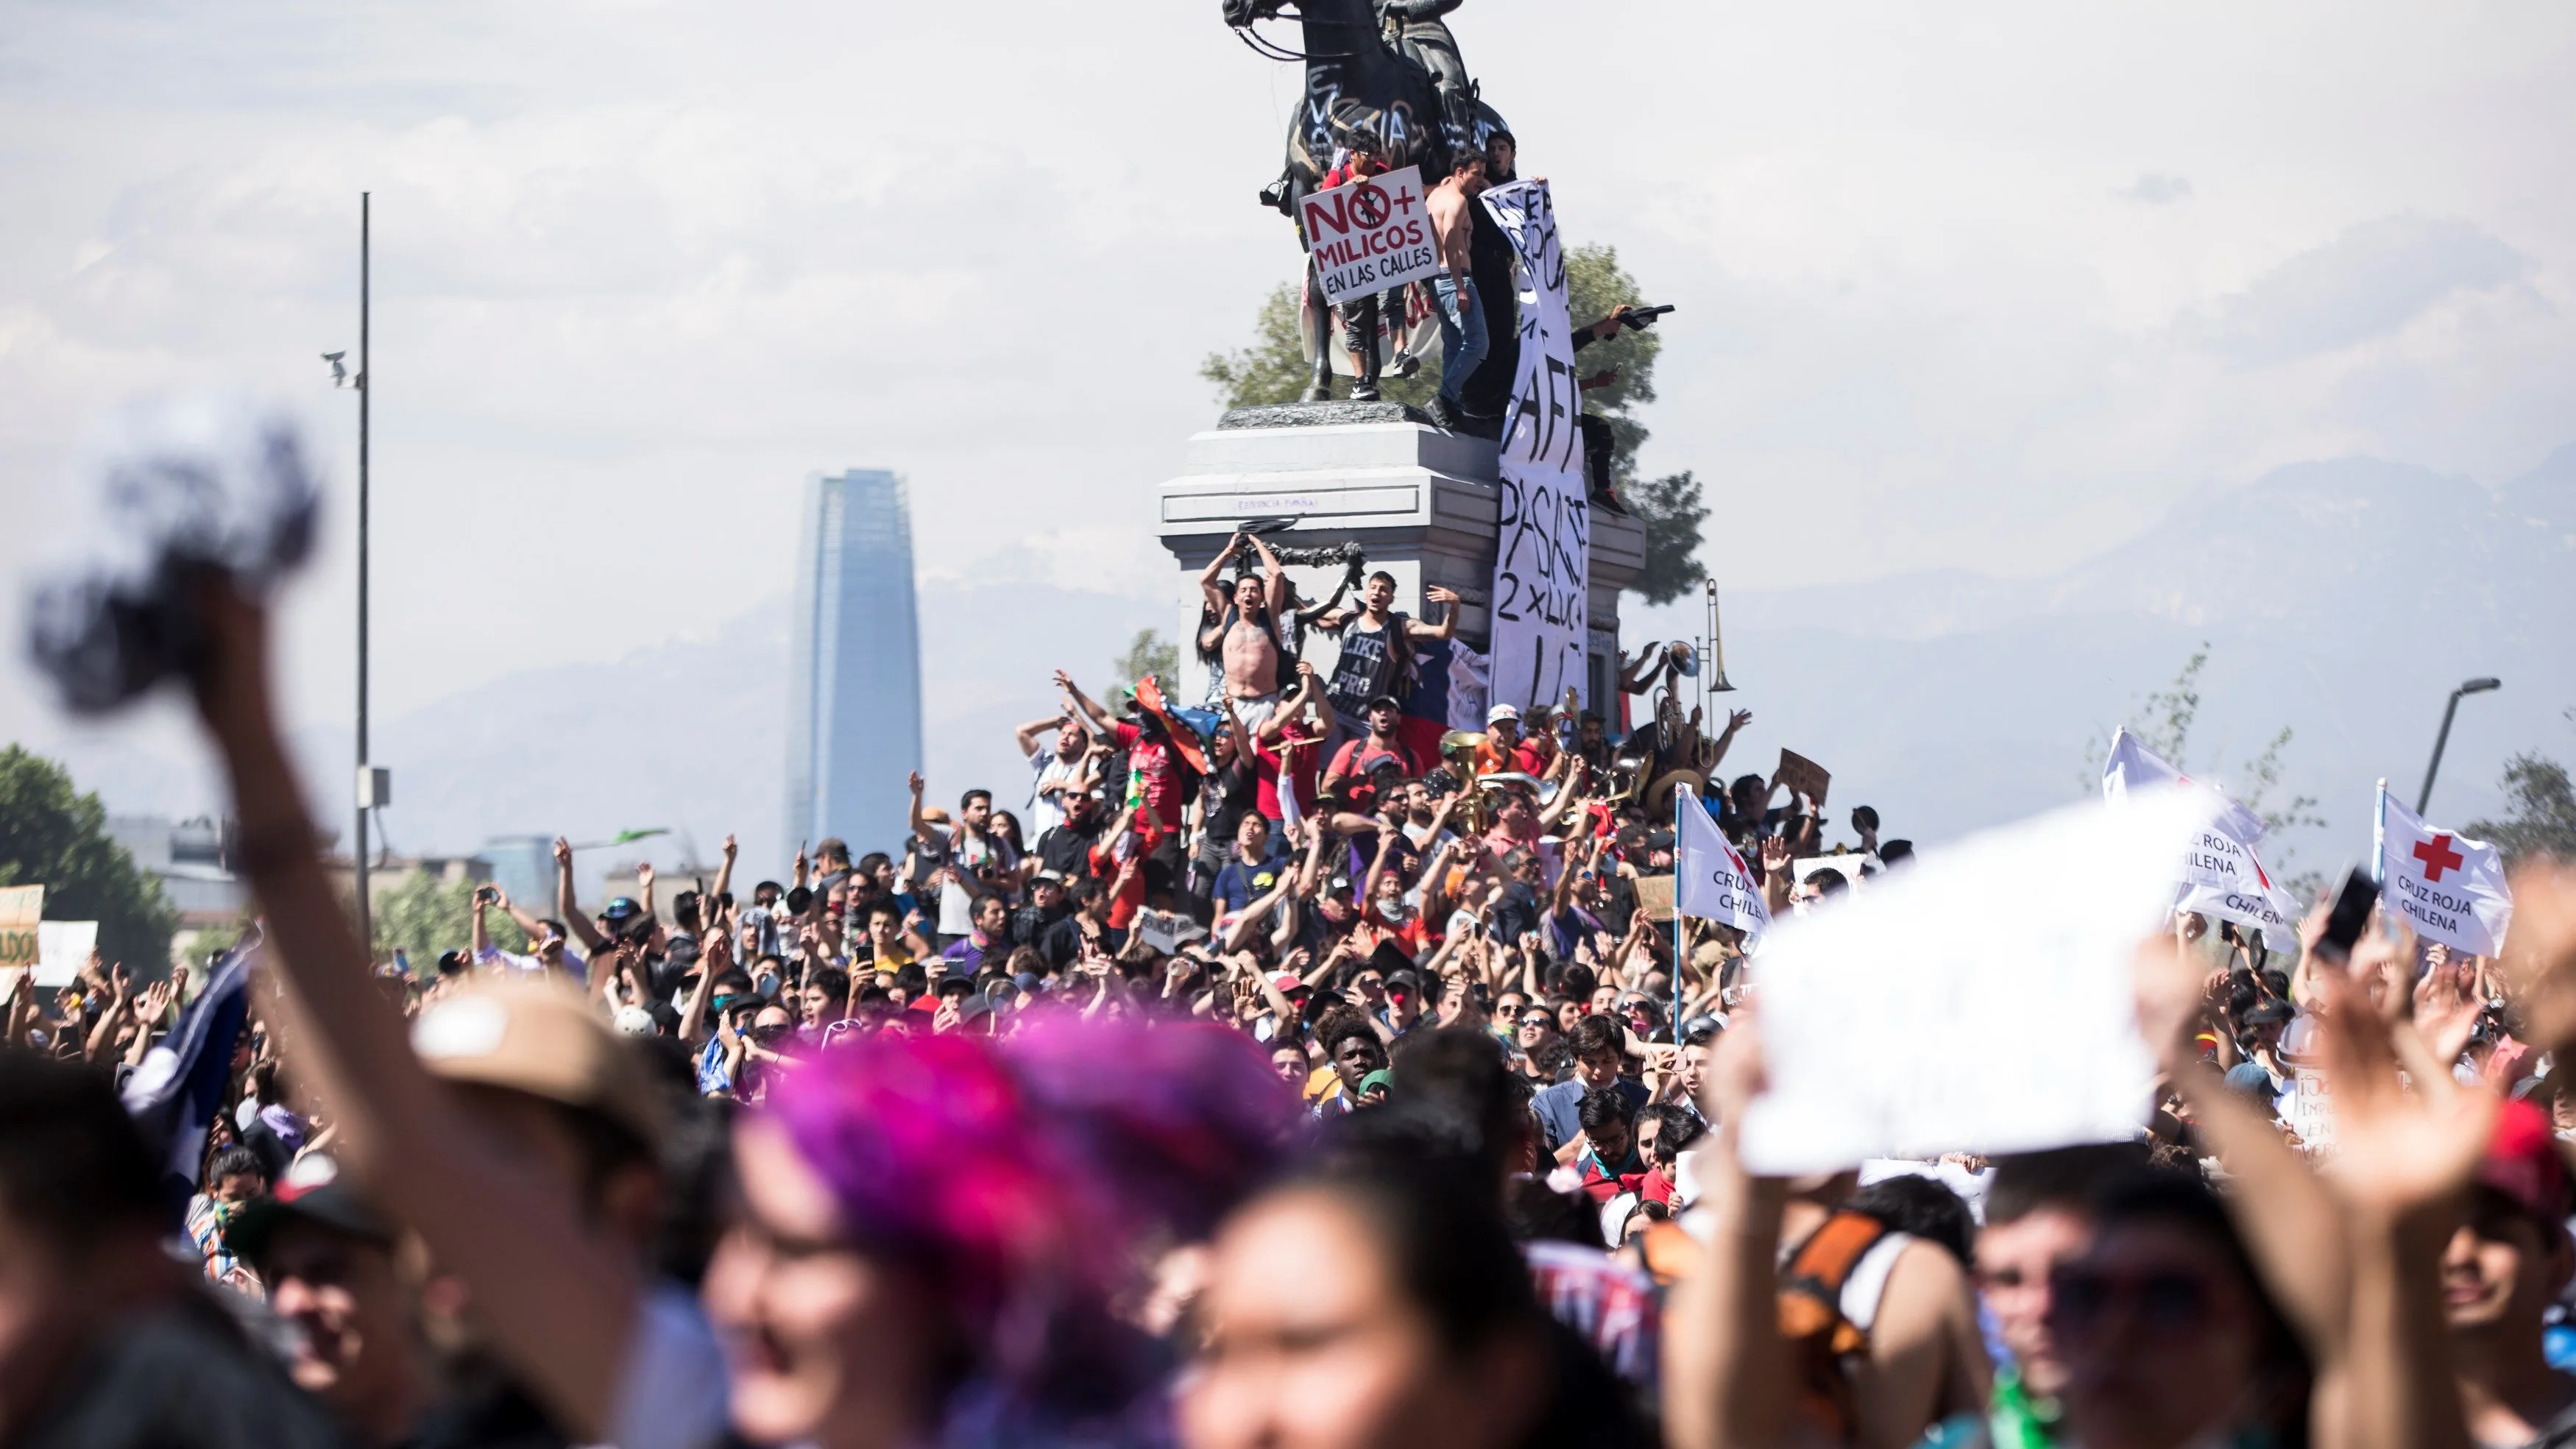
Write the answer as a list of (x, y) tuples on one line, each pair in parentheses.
[(934, 1229), (1377, 1300)]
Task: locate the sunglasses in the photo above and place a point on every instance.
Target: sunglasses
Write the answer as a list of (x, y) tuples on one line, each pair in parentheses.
[(2168, 1303)]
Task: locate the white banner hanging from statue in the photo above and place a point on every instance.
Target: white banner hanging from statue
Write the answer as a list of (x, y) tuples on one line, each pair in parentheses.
[(1543, 556), (1370, 235)]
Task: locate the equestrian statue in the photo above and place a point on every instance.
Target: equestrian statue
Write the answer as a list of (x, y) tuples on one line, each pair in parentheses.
[(1383, 77)]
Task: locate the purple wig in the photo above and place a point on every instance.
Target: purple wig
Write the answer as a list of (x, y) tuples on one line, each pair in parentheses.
[(1023, 1174)]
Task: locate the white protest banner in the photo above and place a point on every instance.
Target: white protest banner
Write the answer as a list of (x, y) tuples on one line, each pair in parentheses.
[(1543, 560), (2448, 887), (1893, 1027), (1710, 880), (2220, 873), (1370, 235), (63, 949)]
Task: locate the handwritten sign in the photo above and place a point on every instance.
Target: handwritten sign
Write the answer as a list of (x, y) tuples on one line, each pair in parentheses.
[(1890, 1032), (1802, 775), (1543, 561), (21, 907), (1370, 235)]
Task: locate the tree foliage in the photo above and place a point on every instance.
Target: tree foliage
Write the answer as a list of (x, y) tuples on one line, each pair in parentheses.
[(52, 835), (1148, 653), (2541, 811), (1272, 369), (1672, 512)]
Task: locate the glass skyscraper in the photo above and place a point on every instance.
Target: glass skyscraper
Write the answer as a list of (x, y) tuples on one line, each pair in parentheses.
[(854, 685)]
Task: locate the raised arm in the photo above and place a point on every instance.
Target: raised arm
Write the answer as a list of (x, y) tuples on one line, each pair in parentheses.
[(1027, 734), (568, 908), (558, 1301), (1293, 707), (921, 829), (1275, 578), (1216, 599), (724, 876), (1447, 628), (1569, 793), (1096, 719)]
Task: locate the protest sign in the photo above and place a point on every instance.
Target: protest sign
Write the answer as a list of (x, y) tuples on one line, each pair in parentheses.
[(63, 948), (1370, 235), (1165, 931), (1802, 775), (1655, 898), (21, 907), (1543, 558), (1711, 880), (1892, 1031), (2448, 887)]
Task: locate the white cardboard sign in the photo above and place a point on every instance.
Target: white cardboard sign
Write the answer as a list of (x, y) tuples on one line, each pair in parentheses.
[(1369, 235), (1891, 1028)]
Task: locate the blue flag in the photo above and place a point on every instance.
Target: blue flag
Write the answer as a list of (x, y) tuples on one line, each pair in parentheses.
[(174, 1095)]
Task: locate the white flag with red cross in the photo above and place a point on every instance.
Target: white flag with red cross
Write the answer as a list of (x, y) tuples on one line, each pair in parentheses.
[(1710, 878), (2220, 875), (2448, 887)]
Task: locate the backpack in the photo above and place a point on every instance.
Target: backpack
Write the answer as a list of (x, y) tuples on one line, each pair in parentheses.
[(1811, 1319)]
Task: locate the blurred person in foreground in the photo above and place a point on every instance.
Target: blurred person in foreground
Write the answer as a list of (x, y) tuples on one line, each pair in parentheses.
[(329, 1262), (1376, 1299), (934, 1229), (509, 1127), (106, 1341)]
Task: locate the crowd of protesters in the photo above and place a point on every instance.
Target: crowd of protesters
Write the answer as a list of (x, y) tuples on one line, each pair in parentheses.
[(1269, 1071)]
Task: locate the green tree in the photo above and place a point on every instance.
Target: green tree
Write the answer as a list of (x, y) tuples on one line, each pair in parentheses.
[(2541, 815), (1273, 370), (1672, 512), (52, 835), (1148, 653), (424, 915)]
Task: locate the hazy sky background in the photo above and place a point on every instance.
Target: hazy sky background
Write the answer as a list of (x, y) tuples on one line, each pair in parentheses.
[(1987, 286)]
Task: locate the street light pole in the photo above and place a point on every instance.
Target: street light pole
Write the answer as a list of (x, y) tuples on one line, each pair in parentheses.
[(366, 390), (2474, 686)]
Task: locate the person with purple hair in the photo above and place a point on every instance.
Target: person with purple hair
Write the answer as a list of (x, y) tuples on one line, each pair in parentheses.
[(933, 1230)]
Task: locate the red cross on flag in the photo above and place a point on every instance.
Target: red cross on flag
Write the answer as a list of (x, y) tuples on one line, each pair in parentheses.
[(2448, 887)]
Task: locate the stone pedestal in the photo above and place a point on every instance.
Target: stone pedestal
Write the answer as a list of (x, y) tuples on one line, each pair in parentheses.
[(1422, 502)]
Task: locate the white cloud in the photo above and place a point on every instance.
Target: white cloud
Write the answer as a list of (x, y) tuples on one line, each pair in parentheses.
[(643, 267)]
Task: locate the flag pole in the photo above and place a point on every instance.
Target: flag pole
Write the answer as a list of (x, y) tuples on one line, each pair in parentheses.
[(1679, 790), (2379, 838)]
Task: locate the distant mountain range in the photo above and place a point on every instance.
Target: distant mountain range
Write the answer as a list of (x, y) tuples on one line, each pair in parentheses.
[(2343, 599)]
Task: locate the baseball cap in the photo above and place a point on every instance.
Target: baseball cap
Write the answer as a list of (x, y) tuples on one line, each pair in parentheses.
[(313, 1190), (633, 1021), (1390, 701), (623, 908), (1374, 1080), (1502, 712), (538, 1036), (1285, 981), (2522, 1162)]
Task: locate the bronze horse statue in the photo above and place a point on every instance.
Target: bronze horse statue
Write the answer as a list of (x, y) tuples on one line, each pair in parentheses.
[(1362, 92)]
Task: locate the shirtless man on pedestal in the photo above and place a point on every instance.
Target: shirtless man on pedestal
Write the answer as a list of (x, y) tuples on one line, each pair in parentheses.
[(1240, 631)]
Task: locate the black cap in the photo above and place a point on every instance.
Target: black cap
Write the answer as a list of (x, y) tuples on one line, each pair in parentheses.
[(313, 1191), (1390, 701)]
